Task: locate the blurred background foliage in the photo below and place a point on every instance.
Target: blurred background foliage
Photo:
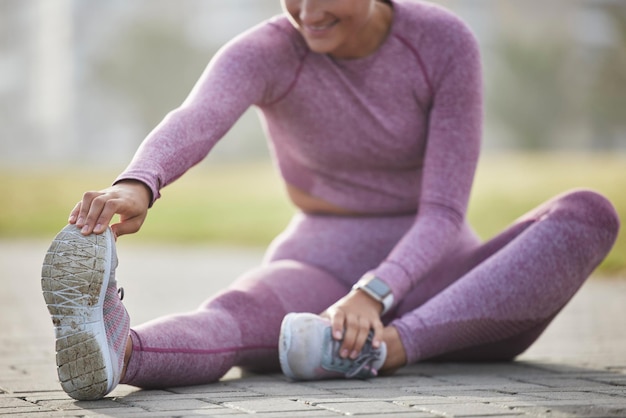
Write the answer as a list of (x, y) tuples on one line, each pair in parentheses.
[(86, 80), (83, 81), (561, 88)]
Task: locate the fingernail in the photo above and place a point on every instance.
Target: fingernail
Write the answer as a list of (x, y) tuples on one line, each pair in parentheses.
[(344, 353), (337, 335), (354, 354), (376, 343), (98, 228), (80, 221), (85, 229), (71, 219)]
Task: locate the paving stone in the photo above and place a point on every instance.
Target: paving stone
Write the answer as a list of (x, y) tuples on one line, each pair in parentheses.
[(613, 380), (491, 381), (411, 414), (493, 396), (299, 414), (511, 389), (63, 414), (286, 414), (342, 384), (614, 391), (539, 384), (157, 404), (557, 403), (361, 407), (569, 411), (229, 391), (45, 412), (424, 400), (23, 411), (11, 402), (239, 377), (407, 380), (223, 412), (565, 368), (580, 395), (565, 382), (46, 396), (125, 390), (69, 405), (316, 401), (376, 393), (468, 410), (441, 370), (281, 388), (268, 405), (179, 413), (213, 388), (142, 395), (27, 384)]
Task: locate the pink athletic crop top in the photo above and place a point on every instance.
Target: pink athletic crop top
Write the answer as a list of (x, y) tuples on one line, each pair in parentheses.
[(397, 131)]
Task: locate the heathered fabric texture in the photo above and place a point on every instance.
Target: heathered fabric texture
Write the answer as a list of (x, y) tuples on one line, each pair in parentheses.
[(395, 133), (116, 324), (483, 301)]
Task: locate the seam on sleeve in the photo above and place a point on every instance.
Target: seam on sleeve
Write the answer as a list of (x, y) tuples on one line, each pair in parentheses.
[(292, 84), (420, 63)]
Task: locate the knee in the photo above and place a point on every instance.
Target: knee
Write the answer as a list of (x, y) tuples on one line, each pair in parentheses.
[(590, 208)]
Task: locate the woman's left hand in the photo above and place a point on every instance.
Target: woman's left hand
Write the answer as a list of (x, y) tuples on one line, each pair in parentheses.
[(352, 317)]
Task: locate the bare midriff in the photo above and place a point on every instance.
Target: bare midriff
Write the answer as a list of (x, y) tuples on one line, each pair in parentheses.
[(311, 204), (308, 203)]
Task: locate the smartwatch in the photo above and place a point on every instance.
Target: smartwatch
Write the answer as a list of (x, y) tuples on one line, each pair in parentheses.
[(377, 289)]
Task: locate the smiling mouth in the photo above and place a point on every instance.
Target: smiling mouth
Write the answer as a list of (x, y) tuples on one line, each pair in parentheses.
[(318, 29)]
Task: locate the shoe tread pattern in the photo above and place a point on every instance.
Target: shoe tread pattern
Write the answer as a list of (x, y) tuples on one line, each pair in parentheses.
[(72, 279)]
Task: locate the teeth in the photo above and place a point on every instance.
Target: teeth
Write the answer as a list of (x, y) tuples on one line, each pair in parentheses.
[(320, 27)]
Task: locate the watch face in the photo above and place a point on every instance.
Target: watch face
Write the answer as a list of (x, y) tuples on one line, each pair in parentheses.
[(379, 287)]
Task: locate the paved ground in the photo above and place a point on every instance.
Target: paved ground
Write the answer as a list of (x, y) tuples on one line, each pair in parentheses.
[(578, 368)]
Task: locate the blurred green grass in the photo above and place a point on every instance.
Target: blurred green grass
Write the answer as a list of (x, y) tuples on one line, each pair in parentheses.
[(245, 203)]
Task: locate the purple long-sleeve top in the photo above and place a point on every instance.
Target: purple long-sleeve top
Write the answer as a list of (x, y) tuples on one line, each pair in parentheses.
[(397, 131)]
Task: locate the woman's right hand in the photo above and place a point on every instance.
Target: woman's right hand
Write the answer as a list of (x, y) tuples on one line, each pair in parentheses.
[(129, 198)]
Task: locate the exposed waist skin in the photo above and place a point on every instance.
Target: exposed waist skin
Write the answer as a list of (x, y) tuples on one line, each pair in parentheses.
[(308, 203)]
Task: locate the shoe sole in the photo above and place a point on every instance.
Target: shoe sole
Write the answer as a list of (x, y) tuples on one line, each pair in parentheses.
[(284, 344), (74, 280)]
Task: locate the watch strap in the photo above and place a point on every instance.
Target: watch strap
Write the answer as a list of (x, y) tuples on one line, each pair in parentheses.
[(377, 289)]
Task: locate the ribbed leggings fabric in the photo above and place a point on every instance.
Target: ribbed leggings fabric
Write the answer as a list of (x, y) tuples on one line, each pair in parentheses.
[(483, 301)]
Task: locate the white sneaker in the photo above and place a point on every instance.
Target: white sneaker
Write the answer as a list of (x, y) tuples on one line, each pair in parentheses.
[(307, 351), (91, 323)]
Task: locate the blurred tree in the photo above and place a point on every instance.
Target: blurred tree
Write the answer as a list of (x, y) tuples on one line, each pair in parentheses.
[(555, 85), (532, 95), (607, 93), (153, 67), (153, 61)]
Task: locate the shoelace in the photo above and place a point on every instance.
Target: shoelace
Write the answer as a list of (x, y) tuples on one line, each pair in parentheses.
[(366, 358)]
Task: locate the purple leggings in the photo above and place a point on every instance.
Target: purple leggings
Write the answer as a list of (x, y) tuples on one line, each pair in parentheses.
[(484, 301)]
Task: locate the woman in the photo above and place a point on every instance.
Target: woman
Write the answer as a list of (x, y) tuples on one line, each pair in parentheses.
[(374, 110)]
